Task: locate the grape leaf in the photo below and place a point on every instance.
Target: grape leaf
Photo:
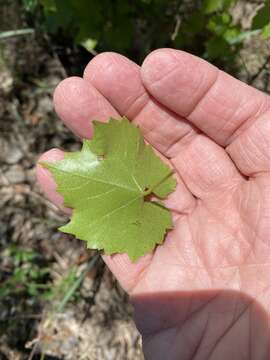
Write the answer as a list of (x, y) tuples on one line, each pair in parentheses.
[(107, 184)]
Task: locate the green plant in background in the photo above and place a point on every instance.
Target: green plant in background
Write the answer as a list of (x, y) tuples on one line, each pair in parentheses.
[(25, 274), (26, 283), (58, 290), (67, 289), (212, 26), (134, 28)]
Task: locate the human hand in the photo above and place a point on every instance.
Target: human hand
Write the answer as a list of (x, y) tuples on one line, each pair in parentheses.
[(204, 293)]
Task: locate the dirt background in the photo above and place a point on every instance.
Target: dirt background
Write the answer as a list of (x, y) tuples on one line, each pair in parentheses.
[(98, 323)]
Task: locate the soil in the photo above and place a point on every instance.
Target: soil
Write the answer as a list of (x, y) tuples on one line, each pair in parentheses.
[(98, 325)]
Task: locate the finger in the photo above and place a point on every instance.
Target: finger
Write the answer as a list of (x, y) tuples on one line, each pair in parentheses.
[(251, 150), (221, 106), (78, 103), (118, 79), (206, 169), (46, 180)]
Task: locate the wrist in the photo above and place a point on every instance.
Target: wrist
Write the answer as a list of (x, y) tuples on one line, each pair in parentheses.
[(202, 325)]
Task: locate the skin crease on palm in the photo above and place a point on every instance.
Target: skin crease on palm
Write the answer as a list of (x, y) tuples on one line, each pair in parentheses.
[(205, 293)]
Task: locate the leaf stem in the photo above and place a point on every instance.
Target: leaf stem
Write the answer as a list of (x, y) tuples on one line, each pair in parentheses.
[(149, 191)]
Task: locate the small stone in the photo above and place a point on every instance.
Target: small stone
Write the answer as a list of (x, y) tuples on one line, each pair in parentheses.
[(10, 153), (3, 150), (6, 80), (14, 155), (45, 105), (15, 174), (31, 175)]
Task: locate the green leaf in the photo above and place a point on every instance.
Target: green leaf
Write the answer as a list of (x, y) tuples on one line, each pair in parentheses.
[(49, 5), (195, 23), (217, 47), (262, 18), (107, 182), (219, 24), (232, 35), (266, 32), (211, 6), (30, 5), (89, 44)]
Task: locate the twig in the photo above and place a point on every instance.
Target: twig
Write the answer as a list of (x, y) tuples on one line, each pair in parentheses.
[(30, 316), (245, 67), (266, 82), (13, 33), (258, 73), (55, 55), (176, 28), (178, 20), (33, 351), (94, 290)]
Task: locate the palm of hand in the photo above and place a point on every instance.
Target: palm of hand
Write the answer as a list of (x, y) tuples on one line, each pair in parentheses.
[(218, 244), (215, 132), (198, 290)]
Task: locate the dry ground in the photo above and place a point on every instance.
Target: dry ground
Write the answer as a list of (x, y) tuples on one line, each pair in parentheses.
[(96, 326)]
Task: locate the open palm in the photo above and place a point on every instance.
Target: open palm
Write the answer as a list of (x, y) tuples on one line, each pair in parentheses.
[(215, 131)]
